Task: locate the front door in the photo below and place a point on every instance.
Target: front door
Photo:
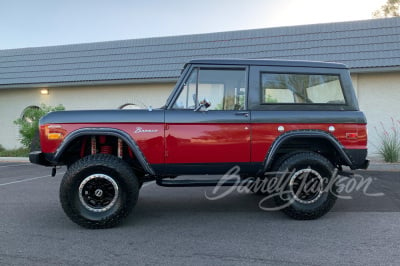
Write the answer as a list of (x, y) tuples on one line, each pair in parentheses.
[(208, 127)]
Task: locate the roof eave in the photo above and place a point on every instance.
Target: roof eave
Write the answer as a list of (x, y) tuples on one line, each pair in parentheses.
[(156, 80), (374, 69), (89, 83)]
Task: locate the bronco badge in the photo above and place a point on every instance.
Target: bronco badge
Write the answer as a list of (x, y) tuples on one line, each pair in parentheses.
[(141, 130)]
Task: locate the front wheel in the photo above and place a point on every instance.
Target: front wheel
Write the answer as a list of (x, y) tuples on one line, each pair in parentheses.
[(98, 191), (309, 188)]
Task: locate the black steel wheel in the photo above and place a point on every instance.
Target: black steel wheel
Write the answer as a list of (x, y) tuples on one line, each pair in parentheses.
[(98, 191)]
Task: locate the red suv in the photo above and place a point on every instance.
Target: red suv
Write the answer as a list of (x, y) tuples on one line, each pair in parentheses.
[(262, 116)]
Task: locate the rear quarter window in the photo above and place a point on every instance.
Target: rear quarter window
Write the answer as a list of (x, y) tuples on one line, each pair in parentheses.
[(284, 88)]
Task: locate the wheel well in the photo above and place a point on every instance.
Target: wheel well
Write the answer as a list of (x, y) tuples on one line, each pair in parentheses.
[(318, 145), (100, 144)]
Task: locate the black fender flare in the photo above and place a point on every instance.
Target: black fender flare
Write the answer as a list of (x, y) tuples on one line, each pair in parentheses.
[(304, 134), (105, 132)]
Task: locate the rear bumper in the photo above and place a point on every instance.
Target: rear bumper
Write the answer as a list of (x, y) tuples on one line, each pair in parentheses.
[(40, 158), (364, 165), (358, 158)]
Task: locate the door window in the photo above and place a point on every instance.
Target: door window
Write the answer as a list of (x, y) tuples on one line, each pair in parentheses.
[(223, 89)]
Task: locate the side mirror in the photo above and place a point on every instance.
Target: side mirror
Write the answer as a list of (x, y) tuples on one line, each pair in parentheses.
[(203, 105)]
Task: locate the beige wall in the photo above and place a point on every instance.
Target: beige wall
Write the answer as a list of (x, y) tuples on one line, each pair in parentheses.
[(14, 101), (378, 94), (379, 99)]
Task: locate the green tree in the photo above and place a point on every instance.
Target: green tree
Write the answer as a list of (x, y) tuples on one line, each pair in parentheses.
[(390, 9), (29, 123)]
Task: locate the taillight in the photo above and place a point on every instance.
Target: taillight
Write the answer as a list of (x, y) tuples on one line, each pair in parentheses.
[(352, 135)]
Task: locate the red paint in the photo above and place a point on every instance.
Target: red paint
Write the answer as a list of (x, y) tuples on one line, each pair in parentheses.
[(209, 143), (263, 135), (150, 143)]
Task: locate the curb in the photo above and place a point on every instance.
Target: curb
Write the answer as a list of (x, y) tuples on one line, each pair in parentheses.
[(15, 159), (380, 166)]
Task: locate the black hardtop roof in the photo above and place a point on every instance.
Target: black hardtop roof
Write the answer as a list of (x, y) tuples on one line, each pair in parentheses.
[(268, 62)]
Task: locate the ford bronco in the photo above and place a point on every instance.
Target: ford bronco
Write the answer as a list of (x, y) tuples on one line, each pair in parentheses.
[(261, 116)]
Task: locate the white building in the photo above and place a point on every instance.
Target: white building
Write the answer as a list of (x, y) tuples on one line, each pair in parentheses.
[(143, 71)]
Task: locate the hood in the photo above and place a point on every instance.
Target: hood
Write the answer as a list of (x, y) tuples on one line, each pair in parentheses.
[(104, 116)]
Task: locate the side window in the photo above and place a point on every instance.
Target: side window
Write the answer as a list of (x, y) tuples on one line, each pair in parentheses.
[(224, 89), (301, 89), (187, 98)]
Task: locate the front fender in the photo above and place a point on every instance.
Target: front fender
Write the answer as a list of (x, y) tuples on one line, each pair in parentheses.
[(105, 132)]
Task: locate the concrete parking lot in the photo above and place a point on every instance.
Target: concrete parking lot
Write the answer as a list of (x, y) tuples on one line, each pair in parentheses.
[(179, 226)]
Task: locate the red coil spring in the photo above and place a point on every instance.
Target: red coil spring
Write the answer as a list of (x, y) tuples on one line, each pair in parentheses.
[(106, 149)]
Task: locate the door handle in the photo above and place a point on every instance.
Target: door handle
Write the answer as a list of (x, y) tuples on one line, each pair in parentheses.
[(245, 114)]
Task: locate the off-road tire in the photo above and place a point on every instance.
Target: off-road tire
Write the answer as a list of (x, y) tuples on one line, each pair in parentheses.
[(300, 209), (108, 171), (259, 189)]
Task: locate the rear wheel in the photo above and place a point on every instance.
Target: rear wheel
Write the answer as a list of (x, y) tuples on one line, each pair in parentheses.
[(259, 187), (309, 192), (98, 191)]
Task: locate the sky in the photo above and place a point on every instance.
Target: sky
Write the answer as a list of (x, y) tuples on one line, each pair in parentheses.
[(34, 23)]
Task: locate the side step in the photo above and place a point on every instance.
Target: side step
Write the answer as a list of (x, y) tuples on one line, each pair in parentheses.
[(203, 182)]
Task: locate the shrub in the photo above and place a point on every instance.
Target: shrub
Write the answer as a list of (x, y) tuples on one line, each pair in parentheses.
[(20, 152), (389, 146), (29, 122)]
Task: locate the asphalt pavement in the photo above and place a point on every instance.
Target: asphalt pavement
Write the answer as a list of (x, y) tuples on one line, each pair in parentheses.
[(180, 226)]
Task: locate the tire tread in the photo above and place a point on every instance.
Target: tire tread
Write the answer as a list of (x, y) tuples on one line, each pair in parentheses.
[(319, 211), (128, 179)]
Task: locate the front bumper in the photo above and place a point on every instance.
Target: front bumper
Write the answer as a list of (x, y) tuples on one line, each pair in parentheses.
[(38, 157)]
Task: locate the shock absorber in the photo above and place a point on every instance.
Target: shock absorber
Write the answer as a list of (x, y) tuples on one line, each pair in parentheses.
[(104, 148), (120, 150)]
